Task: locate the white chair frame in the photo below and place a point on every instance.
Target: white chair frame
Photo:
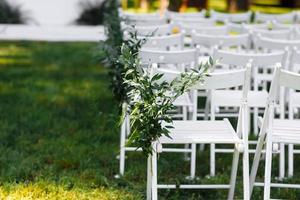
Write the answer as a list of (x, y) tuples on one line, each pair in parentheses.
[(271, 133), (196, 132)]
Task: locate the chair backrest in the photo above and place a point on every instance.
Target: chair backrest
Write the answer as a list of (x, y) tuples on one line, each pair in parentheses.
[(257, 59), (169, 42), (231, 17), (183, 59), (139, 16), (275, 44), (221, 80), (158, 30), (149, 19), (283, 79), (241, 40), (283, 18), (194, 22), (295, 60), (188, 29), (273, 34), (191, 15)]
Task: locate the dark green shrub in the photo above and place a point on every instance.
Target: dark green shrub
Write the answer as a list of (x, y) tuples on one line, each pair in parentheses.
[(92, 13), (10, 14)]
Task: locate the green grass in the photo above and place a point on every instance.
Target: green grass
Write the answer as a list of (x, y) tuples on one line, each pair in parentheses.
[(59, 138)]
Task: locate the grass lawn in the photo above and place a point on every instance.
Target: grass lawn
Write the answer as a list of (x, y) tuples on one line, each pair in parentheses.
[(58, 133)]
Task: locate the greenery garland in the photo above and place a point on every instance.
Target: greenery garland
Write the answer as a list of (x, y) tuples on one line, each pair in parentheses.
[(110, 49), (151, 99)]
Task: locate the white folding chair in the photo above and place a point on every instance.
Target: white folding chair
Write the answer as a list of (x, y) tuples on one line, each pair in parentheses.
[(208, 131), (179, 59), (230, 98), (164, 43), (293, 109), (283, 18), (275, 131), (231, 17)]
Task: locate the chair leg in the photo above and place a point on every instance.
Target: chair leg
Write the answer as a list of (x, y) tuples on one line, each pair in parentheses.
[(268, 168), (281, 161), (291, 160), (149, 177), (193, 161), (212, 160), (122, 148), (246, 173), (154, 176), (234, 168), (255, 163)]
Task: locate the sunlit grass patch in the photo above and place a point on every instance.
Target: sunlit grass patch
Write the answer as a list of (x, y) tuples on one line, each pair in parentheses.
[(51, 191)]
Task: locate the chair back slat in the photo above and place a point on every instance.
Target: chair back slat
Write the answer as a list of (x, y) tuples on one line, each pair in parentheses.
[(189, 29), (275, 44), (283, 18), (223, 80), (257, 59), (218, 40), (231, 17), (168, 42), (189, 56)]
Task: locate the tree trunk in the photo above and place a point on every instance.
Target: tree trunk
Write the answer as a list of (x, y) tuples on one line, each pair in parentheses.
[(231, 6), (243, 5), (183, 6), (144, 5)]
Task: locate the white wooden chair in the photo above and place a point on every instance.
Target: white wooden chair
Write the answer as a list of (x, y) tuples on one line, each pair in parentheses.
[(213, 131), (275, 131), (179, 59), (293, 109), (164, 43), (283, 18), (230, 98), (231, 17)]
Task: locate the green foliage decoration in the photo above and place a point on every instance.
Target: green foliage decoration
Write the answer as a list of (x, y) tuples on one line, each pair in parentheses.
[(110, 49), (151, 98)]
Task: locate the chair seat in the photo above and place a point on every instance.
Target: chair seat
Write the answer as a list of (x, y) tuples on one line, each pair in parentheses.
[(188, 132), (286, 131), (233, 98)]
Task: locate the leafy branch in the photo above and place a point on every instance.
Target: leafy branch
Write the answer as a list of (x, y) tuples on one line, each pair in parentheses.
[(151, 99)]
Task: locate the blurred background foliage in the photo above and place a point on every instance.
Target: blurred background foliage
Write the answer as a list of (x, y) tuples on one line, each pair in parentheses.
[(10, 14), (269, 6)]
